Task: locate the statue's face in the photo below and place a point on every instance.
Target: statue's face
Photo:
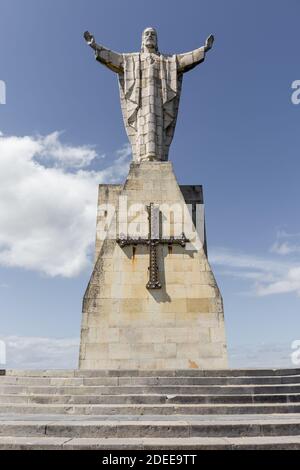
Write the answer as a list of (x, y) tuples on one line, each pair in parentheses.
[(149, 40)]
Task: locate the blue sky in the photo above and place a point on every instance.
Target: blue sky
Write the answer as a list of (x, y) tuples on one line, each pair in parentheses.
[(237, 134)]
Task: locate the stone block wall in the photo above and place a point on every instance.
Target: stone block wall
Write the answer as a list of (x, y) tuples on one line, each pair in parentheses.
[(127, 326)]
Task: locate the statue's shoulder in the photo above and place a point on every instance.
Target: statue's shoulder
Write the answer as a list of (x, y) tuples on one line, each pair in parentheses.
[(169, 57), (132, 54)]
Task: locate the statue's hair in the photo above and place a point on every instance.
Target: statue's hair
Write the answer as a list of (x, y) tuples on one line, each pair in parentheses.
[(147, 29)]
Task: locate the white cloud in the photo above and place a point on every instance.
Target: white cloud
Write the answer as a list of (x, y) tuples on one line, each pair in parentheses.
[(267, 276), (267, 355), (250, 263), (52, 149), (283, 245), (40, 353), (284, 234), (48, 213), (284, 248), (290, 282)]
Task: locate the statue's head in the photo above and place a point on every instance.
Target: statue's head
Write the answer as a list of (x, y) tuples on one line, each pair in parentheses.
[(149, 40)]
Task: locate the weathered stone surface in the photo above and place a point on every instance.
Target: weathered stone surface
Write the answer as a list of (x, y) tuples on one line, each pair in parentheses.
[(150, 88), (124, 324), (150, 409), (193, 443)]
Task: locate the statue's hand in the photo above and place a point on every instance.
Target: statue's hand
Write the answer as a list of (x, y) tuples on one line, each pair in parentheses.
[(89, 38), (209, 43)]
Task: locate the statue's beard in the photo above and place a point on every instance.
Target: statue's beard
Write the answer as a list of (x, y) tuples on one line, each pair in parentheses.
[(151, 46)]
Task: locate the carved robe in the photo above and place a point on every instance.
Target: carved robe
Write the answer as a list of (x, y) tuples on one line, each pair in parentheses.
[(150, 88)]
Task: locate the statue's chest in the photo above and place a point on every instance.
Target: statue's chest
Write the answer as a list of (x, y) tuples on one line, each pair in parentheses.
[(150, 67)]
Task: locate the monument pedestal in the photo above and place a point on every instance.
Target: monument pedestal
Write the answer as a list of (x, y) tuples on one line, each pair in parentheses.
[(126, 325)]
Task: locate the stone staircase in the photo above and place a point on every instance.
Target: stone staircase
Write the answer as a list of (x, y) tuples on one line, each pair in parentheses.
[(136, 409)]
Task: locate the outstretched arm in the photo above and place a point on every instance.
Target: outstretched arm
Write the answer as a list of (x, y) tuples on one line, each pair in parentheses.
[(112, 60), (189, 60)]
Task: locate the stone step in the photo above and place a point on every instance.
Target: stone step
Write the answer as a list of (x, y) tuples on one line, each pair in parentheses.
[(192, 443), (245, 409), (153, 427), (149, 409), (148, 399), (150, 373), (168, 381), (144, 389)]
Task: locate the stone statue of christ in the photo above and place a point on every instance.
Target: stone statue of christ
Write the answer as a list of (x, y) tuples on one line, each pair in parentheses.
[(150, 87)]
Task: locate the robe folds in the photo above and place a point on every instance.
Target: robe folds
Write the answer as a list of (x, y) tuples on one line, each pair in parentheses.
[(150, 87)]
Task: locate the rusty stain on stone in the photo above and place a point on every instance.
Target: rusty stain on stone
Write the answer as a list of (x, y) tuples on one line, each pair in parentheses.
[(193, 365)]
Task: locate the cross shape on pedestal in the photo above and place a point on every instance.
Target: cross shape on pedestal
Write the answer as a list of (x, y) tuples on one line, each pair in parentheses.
[(153, 240)]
